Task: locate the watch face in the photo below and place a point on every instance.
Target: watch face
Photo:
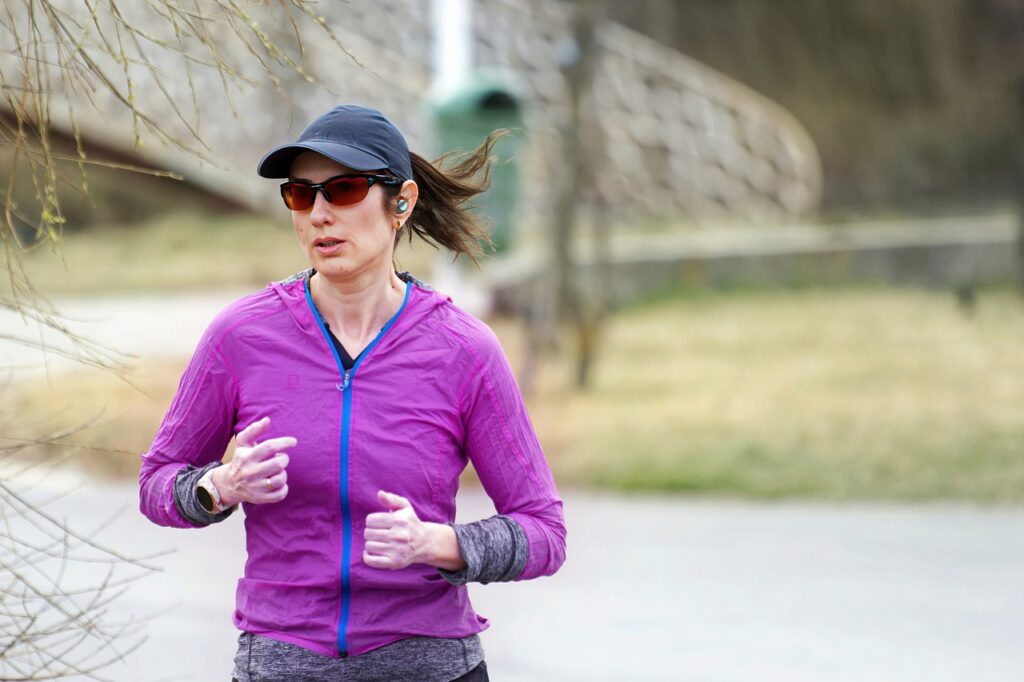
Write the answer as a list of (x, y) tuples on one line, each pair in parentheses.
[(205, 499)]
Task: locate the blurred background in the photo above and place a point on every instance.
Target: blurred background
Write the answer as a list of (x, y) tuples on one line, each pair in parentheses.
[(759, 267)]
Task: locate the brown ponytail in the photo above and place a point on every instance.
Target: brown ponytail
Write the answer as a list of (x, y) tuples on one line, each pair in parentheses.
[(441, 216)]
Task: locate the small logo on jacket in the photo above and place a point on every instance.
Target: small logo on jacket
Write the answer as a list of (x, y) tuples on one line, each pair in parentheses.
[(293, 381)]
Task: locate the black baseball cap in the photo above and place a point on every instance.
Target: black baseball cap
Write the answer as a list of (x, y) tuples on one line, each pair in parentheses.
[(353, 135)]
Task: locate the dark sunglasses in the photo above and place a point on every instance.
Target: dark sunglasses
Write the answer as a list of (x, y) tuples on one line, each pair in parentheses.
[(341, 190)]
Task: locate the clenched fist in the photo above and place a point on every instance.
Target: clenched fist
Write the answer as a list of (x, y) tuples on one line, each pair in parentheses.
[(396, 538)]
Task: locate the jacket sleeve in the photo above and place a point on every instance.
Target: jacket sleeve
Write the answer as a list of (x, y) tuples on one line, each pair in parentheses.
[(195, 431), (501, 443), (494, 550)]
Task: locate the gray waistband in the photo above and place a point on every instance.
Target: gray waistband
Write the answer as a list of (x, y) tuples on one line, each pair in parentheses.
[(431, 659)]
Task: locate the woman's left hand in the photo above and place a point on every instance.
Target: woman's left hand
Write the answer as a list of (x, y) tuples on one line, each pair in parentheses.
[(396, 538)]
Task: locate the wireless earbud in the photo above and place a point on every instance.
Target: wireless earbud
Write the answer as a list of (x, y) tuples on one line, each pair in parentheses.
[(402, 206)]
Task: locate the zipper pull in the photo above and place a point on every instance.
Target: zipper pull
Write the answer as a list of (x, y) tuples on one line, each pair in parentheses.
[(344, 384)]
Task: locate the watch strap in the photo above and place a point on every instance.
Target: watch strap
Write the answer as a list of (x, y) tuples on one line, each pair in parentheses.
[(208, 494)]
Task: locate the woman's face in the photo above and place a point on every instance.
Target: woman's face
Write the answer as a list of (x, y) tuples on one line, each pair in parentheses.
[(364, 229)]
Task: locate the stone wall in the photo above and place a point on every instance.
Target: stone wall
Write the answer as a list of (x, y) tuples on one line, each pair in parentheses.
[(678, 139)]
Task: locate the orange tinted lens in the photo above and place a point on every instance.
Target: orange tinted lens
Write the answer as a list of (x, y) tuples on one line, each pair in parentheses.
[(297, 196), (347, 191)]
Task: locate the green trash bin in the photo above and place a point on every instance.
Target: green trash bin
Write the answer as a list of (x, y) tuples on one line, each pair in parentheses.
[(463, 120)]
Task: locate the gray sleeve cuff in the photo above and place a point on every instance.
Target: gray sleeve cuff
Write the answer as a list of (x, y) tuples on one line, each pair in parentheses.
[(186, 500), (494, 550)]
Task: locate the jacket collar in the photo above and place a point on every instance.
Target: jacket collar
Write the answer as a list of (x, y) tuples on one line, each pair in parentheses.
[(420, 301)]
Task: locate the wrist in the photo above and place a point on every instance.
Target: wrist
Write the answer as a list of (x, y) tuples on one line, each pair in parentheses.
[(220, 482), (443, 547)]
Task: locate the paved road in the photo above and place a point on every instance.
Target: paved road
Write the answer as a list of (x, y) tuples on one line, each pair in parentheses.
[(663, 589), (147, 326)]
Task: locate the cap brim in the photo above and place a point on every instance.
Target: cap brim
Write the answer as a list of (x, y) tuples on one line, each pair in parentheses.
[(278, 162)]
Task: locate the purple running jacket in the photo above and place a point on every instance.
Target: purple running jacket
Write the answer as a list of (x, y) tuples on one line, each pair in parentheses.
[(432, 391)]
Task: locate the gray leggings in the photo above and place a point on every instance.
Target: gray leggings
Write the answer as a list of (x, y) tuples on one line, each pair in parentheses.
[(477, 674), (415, 658)]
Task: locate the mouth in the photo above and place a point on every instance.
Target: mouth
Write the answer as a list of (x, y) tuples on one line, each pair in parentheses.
[(328, 241), (326, 246)]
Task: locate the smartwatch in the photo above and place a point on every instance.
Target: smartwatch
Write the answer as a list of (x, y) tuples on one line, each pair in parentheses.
[(207, 493)]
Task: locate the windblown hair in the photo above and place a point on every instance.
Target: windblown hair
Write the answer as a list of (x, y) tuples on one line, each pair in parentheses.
[(447, 185)]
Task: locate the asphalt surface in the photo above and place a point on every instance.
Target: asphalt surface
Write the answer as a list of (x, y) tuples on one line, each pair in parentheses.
[(653, 589), (126, 326)]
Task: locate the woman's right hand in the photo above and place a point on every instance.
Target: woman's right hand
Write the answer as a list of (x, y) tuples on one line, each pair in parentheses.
[(256, 472)]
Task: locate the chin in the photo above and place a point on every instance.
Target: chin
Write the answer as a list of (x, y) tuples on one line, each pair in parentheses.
[(329, 269), (336, 267)]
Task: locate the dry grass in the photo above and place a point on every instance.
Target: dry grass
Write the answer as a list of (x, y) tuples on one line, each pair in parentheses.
[(182, 252), (842, 393), (121, 416), (832, 393)]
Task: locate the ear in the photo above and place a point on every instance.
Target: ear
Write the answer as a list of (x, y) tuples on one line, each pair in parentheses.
[(410, 191)]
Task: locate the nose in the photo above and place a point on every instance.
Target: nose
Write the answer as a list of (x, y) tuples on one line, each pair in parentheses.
[(320, 214)]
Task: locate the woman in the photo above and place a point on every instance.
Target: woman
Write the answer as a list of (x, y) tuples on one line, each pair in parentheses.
[(356, 396)]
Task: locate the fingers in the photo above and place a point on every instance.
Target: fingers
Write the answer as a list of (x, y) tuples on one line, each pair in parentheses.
[(399, 514), (394, 538), (267, 481), (392, 549), (272, 496), (247, 436), (258, 469), (377, 561), (392, 501), (386, 538), (275, 481), (377, 535), (269, 448), (377, 548), (383, 555), (254, 471), (267, 489), (383, 520)]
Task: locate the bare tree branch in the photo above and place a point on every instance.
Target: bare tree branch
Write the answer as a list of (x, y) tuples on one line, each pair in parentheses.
[(65, 57)]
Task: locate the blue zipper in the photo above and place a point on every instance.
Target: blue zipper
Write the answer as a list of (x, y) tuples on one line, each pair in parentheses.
[(346, 410)]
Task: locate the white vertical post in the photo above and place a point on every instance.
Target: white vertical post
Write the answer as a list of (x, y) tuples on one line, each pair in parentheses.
[(453, 43)]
